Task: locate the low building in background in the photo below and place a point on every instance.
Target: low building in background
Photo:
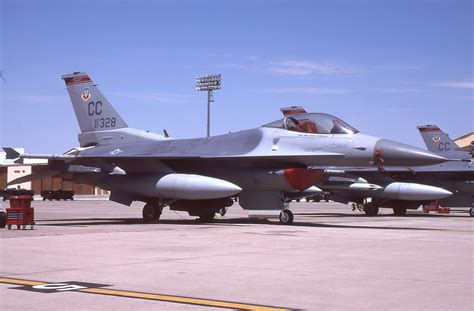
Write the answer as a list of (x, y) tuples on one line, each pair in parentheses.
[(466, 142)]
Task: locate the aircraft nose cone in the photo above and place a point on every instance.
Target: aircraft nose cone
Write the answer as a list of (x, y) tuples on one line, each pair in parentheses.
[(392, 153)]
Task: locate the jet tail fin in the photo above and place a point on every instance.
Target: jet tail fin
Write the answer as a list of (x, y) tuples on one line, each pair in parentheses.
[(100, 123), (94, 112), (436, 140)]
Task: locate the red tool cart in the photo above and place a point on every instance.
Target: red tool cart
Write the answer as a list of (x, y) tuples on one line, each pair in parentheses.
[(20, 212)]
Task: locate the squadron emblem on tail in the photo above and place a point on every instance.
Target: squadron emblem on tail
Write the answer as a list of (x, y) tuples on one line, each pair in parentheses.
[(86, 94)]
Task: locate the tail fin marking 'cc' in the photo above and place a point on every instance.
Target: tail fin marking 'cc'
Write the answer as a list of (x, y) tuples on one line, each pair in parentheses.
[(94, 112), (436, 140)]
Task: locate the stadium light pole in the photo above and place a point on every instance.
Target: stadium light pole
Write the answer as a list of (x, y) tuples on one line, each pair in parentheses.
[(208, 83)]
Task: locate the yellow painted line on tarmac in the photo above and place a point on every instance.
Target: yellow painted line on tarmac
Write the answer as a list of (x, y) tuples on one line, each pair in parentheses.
[(178, 299), (157, 297), (19, 282)]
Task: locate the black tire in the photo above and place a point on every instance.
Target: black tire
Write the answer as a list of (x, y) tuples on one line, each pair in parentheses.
[(371, 209), (399, 211), (207, 217), (286, 217), (149, 213), (3, 220), (471, 212), (9, 227)]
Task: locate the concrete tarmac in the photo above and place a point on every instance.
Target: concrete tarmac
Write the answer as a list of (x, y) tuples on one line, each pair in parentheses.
[(98, 255)]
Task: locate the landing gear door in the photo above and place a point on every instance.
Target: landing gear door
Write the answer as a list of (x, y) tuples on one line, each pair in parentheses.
[(261, 200)]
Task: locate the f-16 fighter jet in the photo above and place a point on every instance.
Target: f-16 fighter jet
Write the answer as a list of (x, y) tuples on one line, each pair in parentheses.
[(401, 188), (263, 168)]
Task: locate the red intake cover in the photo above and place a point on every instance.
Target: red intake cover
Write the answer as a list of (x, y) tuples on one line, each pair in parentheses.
[(301, 178)]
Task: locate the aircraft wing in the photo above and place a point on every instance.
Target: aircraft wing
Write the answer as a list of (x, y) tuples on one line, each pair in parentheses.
[(117, 156), (80, 158)]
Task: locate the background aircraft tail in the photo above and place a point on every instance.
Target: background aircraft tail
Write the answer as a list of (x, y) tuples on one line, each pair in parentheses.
[(436, 140), (94, 112)]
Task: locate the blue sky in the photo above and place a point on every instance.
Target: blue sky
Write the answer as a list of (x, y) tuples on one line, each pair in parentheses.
[(383, 66)]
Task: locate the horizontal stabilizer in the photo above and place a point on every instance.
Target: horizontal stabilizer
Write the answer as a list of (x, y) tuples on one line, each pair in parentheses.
[(11, 153)]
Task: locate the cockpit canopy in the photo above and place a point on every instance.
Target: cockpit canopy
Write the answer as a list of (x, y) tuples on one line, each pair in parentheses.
[(314, 123)]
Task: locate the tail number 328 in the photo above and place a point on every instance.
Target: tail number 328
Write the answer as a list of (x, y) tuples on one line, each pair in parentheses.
[(95, 109), (104, 122)]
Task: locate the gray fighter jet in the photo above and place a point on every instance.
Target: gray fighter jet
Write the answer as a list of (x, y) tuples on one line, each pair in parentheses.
[(456, 176), (262, 168), (450, 183)]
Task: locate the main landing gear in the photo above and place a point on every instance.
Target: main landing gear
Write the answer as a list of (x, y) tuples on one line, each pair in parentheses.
[(206, 216), (209, 215), (286, 217), (371, 209), (399, 211), (152, 212)]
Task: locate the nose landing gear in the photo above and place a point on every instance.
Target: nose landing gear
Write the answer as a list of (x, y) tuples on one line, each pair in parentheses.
[(286, 217)]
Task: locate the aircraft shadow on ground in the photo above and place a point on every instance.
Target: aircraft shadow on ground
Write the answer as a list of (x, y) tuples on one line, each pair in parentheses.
[(465, 214), (219, 222)]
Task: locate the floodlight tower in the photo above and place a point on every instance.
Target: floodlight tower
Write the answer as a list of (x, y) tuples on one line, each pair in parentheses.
[(208, 83)]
